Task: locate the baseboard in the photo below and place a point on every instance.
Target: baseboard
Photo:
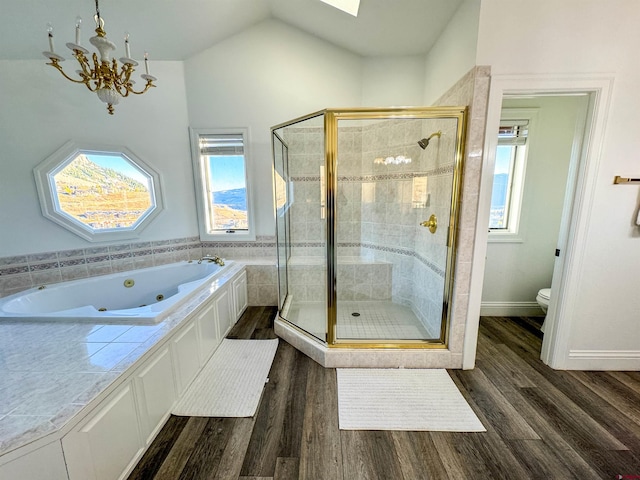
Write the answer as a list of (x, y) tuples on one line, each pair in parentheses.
[(603, 360), (510, 309)]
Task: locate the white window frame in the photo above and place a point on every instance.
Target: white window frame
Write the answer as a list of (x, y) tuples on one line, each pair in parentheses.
[(203, 202), (45, 172), (513, 233)]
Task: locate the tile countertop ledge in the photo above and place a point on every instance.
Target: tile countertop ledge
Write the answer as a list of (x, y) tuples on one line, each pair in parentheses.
[(51, 371)]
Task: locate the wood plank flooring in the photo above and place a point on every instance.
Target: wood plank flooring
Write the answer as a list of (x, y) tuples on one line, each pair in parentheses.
[(541, 423)]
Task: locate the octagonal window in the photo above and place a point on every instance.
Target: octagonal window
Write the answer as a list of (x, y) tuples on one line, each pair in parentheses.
[(98, 193)]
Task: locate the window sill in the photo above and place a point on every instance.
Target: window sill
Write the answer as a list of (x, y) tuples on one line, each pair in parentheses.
[(228, 237), (504, 238)]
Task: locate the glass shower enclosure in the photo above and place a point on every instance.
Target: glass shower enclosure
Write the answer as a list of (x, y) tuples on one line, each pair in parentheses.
[(366, 207)]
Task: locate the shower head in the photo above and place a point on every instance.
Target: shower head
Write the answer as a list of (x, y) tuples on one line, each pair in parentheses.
[(425, 141)]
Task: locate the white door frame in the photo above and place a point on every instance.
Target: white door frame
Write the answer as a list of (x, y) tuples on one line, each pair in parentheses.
[(576, 210)]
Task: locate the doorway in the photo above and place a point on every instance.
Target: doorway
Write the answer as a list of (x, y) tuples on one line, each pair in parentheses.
[(534, 157), (575, 216)]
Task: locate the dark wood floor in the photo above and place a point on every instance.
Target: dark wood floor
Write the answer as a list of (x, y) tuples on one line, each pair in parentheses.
[(541, 423)]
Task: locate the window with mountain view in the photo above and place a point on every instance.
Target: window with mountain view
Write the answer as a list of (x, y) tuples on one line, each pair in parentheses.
[(103, 191), (508, 177), (223, 204), (98, 193)]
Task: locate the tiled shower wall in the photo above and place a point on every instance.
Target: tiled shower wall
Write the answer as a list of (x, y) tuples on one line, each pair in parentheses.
[(382, 252), (390, 228), (21, 272)]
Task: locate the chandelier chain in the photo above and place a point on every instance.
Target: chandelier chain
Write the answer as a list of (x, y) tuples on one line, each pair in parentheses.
[(97, 14)]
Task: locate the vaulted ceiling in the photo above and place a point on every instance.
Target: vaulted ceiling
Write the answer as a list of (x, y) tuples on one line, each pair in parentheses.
[(177, 29)]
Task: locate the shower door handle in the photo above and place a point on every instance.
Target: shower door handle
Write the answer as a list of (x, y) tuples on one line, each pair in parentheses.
[(431, 224)]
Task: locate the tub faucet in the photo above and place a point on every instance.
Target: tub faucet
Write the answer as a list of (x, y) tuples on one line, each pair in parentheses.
[(212, 258)]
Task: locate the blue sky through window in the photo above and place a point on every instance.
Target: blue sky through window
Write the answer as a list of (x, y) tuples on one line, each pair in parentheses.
[(227, 172), (503, 160)]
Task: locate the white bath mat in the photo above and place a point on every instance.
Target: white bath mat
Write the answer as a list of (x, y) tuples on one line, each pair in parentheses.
[(231, 383), (402, 399)]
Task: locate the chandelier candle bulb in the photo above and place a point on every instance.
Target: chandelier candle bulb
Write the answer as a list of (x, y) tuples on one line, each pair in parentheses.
[(127, 50), (146, 62), (78, 22), (50, 35)]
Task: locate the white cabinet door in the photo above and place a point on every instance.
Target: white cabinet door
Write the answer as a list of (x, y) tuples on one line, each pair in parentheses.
[(46, 463), (156, 392), (209, 332), (184, 348), (240, 294), (223, 311), (105, 445)]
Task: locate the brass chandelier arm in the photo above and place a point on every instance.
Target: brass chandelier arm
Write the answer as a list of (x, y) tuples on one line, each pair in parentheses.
[(146, 87), (54, 63)]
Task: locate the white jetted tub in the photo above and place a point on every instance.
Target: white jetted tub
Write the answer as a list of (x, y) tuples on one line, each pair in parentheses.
[(144, 296)]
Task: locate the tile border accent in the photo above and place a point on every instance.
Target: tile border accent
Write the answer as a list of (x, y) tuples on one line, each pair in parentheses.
[(444, 170), (21, 272)]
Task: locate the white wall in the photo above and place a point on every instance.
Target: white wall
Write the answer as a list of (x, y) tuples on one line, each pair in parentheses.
[(454, 53), (266, 75), (574, 37), (515, 271), (41, 111), (393, 81)]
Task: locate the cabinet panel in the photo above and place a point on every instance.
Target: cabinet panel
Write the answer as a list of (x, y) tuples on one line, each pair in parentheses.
[(240, 294), (209, 333), (46, 463), (156, 392), (108, 442), (186, 357), (223, 311)]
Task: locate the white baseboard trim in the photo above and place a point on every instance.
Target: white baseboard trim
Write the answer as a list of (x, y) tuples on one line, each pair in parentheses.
[(510, 309), (614, 360), (604, 354), (604, 360)]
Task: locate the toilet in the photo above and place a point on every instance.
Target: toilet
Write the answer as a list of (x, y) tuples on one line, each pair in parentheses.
[(543, 300)]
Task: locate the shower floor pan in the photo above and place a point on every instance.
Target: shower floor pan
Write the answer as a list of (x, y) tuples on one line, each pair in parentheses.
[(360, 320)]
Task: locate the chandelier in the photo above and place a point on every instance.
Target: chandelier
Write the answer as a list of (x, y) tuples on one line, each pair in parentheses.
[(105, 77)]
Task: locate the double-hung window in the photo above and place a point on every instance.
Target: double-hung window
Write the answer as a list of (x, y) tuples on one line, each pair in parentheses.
[(509, 173), (222, 183)]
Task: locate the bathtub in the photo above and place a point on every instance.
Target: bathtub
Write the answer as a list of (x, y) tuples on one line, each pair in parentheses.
[(144, 296)]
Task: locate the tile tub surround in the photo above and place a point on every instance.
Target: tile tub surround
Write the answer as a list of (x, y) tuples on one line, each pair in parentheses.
[(22, 272), (51, 371), (262, 281)]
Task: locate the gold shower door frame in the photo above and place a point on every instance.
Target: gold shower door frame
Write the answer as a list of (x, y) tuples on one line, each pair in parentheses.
[(331, 119)]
